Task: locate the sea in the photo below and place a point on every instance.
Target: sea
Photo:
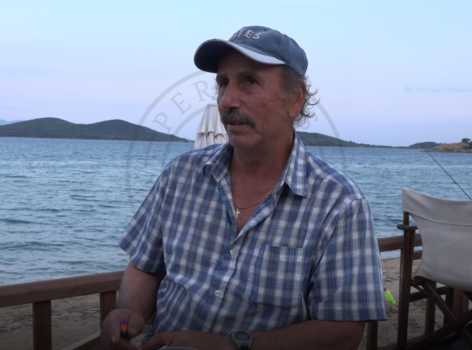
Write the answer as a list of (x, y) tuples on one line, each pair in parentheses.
[(65, 203)]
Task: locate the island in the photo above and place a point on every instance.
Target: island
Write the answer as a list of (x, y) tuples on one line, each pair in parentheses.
[(465, 146), (56, 128), (125, 131), (320, 140)]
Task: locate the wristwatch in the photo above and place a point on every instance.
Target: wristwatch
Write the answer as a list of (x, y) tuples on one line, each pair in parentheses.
[(242, 339)]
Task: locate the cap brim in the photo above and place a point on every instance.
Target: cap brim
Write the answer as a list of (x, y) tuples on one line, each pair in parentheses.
[(207, 55)]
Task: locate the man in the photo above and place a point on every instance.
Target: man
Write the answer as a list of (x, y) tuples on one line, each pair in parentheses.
[(255, 244)]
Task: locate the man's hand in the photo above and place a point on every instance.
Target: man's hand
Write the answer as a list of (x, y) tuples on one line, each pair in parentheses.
[(110, 334), (137, 302), (192, 339)]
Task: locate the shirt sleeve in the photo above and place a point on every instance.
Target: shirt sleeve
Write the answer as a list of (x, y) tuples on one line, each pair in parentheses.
[(142, 239), (347, 284)]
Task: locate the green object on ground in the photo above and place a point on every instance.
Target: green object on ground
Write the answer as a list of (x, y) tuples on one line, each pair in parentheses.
[(389, 296)]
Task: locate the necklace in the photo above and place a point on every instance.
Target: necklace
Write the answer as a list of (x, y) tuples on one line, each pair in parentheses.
[(237, 207)]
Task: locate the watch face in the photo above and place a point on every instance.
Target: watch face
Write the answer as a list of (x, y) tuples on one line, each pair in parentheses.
[(242, 336)]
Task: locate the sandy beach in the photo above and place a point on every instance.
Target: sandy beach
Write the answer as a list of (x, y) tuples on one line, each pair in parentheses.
[(76, 318)]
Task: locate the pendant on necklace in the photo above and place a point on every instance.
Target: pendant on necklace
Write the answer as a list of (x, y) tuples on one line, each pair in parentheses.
[(236, 212)]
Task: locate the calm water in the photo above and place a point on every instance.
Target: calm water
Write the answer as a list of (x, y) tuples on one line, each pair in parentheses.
[(65, 203)]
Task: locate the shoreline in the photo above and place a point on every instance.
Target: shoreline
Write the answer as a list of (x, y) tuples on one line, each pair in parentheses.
[(192, 141), (68, 138), (463, 151)]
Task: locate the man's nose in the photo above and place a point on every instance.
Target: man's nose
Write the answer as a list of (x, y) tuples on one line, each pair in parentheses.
[(229, 97)]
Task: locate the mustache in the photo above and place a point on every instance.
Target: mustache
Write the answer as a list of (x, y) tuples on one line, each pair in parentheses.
[(235, 116)]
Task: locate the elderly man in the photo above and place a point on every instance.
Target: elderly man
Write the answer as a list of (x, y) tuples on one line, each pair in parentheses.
[(255, 244)]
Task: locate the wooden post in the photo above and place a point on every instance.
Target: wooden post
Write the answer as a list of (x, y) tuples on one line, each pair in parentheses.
[(448, 300), (465, 304), (42, 332), (107, 304), (430, 314), (405, 281), (372, 335), (460, 303)]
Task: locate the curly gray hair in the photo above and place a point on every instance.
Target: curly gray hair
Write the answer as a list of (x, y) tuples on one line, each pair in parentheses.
[(291, 81)]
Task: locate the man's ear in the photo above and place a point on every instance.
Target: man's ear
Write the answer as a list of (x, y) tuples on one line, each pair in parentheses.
[(297, 101)]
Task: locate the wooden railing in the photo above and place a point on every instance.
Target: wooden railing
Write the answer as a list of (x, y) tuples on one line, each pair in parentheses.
[(41, 293)]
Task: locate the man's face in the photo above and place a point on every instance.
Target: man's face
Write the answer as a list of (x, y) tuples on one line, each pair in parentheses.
[(255, 90)]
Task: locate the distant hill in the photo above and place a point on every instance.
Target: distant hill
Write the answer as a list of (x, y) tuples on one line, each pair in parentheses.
[(107, 130), (316, 139), (122, 130), (424, 145), (5, 122)]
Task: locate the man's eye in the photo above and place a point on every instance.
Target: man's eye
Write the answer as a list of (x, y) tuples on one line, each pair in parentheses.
[(251, 81), (222, 84)]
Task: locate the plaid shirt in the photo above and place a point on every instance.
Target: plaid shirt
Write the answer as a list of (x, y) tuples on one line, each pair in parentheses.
[(307, 252)]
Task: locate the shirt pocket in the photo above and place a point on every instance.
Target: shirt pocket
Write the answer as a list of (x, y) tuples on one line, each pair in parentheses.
[(275, 276)]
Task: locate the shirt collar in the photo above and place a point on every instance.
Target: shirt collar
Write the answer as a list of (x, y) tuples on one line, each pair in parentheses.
[(294, 173), (218, 164)]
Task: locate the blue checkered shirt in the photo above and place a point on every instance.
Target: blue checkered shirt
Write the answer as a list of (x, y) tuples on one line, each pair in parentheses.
[(308, 251)]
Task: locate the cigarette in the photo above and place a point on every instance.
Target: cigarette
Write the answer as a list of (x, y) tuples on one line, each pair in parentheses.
[(124, 329)]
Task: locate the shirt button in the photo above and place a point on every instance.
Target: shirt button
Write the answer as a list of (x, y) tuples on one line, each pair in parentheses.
[(232, 252), (217, 293)]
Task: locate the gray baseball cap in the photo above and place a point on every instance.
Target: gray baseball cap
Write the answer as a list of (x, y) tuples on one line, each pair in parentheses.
[(258, 43)]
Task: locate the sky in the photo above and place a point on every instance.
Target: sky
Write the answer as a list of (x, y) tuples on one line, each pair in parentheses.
[(387, 72)]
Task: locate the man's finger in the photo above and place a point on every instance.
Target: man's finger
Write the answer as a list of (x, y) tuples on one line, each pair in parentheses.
[(158, 341), (124, 344), (110, 334), (135, 325), (119, 327)]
